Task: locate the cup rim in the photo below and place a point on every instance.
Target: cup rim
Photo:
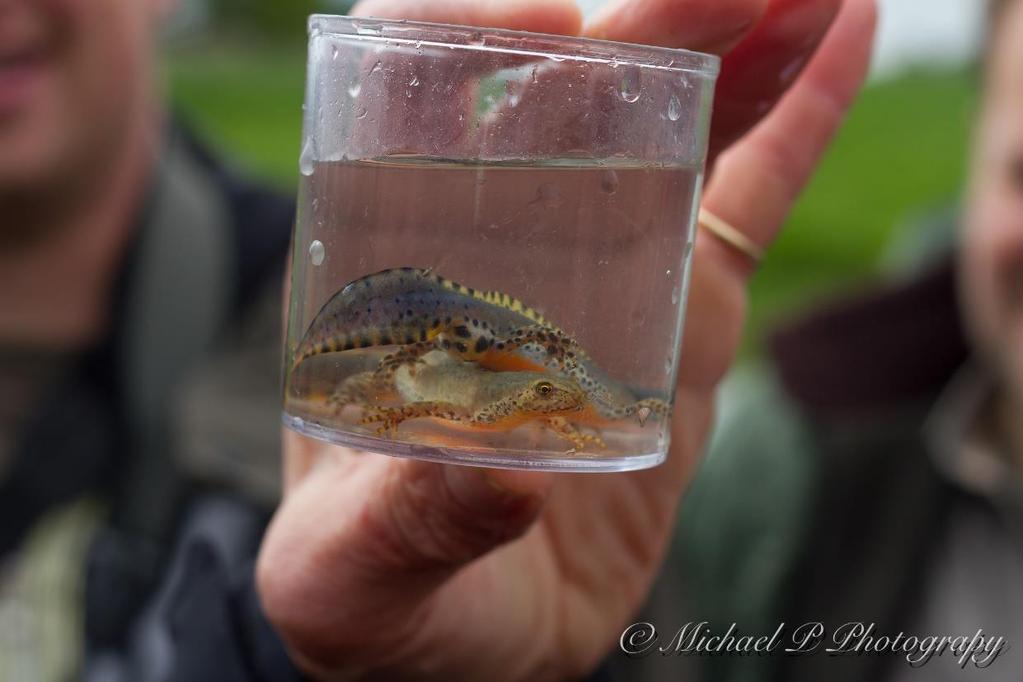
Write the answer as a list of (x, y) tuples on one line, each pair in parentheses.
[(544, 44)]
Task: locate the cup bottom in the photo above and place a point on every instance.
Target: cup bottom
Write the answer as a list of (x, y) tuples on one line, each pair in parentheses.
[(480, 457)]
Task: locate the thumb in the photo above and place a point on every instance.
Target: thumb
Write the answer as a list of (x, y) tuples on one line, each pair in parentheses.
[(434, 517), (358, 548)]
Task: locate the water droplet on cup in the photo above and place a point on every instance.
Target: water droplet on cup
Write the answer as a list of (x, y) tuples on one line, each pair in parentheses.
[(674, 108), (414, 82), (609, 182), (354, 90), (360, 113), (630, 85), (333, 52), (317, 252), (674, 296), (376, 67), (305, 160), (368, 29), (514, 94)]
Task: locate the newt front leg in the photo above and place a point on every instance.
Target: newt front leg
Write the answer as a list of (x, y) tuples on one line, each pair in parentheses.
[(565, 429)]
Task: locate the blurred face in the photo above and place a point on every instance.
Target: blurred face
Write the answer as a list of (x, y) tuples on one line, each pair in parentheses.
[(993, 241), (74, 74)]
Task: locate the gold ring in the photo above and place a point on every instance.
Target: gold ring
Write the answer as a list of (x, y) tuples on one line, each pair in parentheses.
[(729, 235)]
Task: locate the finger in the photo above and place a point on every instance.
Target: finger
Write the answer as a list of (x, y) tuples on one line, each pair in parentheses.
[(540, 16), (804, 120), (766, 41), (693, 24), (397, 531), (755, 183), (762, 67), (539, 123)]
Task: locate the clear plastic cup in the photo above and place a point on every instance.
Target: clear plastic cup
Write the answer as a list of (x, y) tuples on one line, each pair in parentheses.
[(492, 247)]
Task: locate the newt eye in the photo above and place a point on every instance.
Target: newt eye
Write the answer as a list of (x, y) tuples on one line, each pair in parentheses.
[(544, 388)]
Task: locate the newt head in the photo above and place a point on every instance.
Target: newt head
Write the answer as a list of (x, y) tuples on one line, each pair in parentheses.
[(526, 395), (551, 394)]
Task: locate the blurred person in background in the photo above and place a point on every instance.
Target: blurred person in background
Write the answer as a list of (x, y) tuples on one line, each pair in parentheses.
[(140, 294), (873, 475), (139, 425)]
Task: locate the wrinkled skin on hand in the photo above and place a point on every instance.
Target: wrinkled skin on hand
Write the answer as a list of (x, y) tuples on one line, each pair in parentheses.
[(382, 567)]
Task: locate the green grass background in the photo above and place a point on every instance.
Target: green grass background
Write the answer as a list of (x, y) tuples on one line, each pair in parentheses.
[(901, 153)]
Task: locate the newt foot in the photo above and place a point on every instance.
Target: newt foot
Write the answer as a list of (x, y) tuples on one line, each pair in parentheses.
[(565, 429)]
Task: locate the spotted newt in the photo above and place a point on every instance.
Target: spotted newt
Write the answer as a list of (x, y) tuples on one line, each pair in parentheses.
[(421, 311), (445, 388)]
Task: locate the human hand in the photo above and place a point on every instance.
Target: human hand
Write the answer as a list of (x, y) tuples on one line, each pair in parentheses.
[(386, 567)]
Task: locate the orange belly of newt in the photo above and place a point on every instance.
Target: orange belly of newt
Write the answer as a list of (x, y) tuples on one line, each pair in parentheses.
[(503, 361)]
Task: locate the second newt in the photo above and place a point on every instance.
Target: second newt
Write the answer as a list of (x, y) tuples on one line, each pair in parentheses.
[(450, 390)]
